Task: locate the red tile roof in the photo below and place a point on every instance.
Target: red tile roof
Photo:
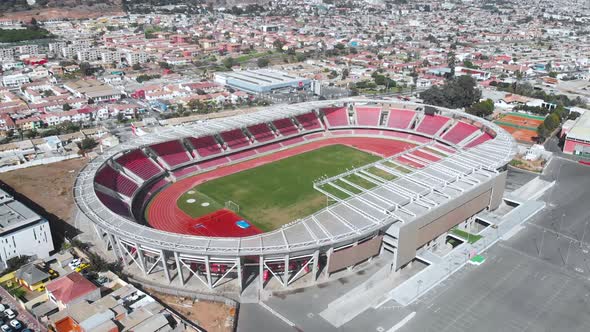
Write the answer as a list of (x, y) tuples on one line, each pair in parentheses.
[(70, 287)]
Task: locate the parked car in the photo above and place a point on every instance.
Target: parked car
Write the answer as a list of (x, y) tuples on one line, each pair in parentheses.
[(6, 328), (3, 307), (16, 324), (82, 267), (9, 313), (75, 263), (27, 330)]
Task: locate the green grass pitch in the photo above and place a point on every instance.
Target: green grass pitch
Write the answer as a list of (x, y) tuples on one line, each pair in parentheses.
[(274, 194)]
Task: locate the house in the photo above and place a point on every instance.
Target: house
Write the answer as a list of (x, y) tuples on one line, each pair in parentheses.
[(71, 289), (32, 277)]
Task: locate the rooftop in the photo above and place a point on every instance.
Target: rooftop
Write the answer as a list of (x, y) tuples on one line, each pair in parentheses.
[(14, 214), (581, 129), (70, 287)]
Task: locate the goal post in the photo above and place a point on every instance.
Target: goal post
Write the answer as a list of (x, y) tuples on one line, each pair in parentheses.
[(230, 205)]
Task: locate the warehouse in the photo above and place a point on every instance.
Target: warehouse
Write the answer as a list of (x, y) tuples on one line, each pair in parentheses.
[(262, 81)]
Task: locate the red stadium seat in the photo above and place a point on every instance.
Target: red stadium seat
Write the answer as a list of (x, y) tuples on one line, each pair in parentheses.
[(368, 116), (112, 179), (138, 163), (459, 132), (172, 152), (206, 146)]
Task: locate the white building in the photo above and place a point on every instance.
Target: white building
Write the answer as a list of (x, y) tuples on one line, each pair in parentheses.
[(14, 81), (22, 231), (136, 57)]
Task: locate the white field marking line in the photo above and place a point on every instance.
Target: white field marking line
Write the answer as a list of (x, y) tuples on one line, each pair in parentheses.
[(402, 322), (272, 311)]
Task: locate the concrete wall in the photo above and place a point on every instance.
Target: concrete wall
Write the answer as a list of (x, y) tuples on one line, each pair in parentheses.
[(415, 234)]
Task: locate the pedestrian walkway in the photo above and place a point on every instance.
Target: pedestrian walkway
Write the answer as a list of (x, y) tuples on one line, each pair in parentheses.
[(422, 282)]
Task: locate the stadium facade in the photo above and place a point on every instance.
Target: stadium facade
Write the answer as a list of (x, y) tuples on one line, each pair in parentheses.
[(396, 217)]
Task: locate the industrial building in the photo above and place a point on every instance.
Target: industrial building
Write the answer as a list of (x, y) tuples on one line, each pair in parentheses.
[(262, 81), (577, 139)]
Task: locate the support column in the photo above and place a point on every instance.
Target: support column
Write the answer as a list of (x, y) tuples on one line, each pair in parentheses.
[(328, 257), (240, 277), (114, 246), (98, 232), (261, 272), (316, 263), (286, 271), (208, 271), (179, 268), (123, 253), (164, 265), (140, 259)]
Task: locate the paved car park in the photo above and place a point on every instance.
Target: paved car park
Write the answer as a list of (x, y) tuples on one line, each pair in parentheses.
[(26, 318)]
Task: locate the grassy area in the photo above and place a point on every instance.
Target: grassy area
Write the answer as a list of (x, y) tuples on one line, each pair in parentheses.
[(11, 36), (277, 193), (201, 205), (471, 238)]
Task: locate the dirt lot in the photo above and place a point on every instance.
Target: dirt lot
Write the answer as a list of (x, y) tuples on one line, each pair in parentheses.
[(80, 12), (49, 186), (212, 316)]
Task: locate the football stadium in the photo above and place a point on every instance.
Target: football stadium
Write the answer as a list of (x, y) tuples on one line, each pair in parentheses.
[(292, 191)]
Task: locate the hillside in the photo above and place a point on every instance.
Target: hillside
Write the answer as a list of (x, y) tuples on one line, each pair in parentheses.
[(46, 9)]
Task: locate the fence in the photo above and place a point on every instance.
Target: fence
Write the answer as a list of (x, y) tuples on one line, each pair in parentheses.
[(37, 162)]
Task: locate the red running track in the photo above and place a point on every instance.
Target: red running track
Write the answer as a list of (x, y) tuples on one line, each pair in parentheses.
[(164, 214)]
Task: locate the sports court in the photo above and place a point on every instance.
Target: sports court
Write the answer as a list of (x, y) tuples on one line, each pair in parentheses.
[(522, 127), (265, 192)]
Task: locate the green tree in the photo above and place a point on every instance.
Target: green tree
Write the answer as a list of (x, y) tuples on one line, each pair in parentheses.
[(456, 93), (229, 62), (31, 133), (262, 62), (87, 144), (482, 109), (66, 107), (136, 66), (451, 63)]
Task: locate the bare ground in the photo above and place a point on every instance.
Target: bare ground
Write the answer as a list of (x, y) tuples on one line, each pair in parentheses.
[(212, 316), (49, 186)]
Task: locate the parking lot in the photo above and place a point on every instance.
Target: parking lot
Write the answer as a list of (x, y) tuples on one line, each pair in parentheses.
[(26, 319)]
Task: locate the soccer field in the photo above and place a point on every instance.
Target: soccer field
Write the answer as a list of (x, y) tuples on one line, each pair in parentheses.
[(277, 193)]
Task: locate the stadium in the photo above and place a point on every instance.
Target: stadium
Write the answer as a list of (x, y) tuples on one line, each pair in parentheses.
[(292, 191)]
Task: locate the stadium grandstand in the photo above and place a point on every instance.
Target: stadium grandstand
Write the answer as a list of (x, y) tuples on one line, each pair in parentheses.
[(425, 174)]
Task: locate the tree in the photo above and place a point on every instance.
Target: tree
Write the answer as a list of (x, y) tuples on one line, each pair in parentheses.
[(345, 73), (229, 62), (451, 62), (278, 44), (262, 62), (87, 143), (164, 65), (16, 263), (66, 107), (339, 46), (482, 109), (31, 133), (136, 66), (456, 93), (120, 117)]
